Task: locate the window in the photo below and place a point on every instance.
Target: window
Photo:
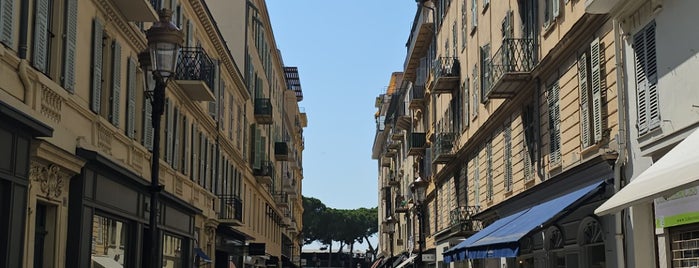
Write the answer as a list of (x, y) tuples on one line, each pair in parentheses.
[(589, 77), (476, 181), (507, 156), (551, 11), (646, 79), (106, 74), (474, 15), (131, 91), (7, 22), (485, 72), (172, 251), (528, 140), (110, 241), (489, 169), (465, 100), (554, 125), (463, 24), (474, 90), (55, 31)]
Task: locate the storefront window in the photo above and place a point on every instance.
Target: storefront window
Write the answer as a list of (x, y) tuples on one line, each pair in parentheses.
[(172, 251), (109, 241)]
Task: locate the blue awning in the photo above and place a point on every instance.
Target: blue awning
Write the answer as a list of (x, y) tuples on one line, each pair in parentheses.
[(501, 238), (202, 256)]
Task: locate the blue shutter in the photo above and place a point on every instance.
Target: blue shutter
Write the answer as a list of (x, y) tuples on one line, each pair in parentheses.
[(70, 46), (596, 83), (96, 88), (6, 21), (116, 83), (131, 99), (41, 35), (584, 102)]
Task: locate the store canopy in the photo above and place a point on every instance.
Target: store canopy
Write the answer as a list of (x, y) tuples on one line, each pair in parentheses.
[(458, 252), (406, 261), (202, 256), (677, 170), (501, 238)]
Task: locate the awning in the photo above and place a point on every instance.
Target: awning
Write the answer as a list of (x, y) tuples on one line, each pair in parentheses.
[(501, 238), (677, 170), (202, 256), (377, 262), (406, 261)]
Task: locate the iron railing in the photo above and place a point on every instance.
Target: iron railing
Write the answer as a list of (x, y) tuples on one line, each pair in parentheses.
[(266, 169), (231, 208), (516, 55), (263, 110), (444, 145), (194, 64), (281, 150), (417, 93), (462, 213), (446, 67)]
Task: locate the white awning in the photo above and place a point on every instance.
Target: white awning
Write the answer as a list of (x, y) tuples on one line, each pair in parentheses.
[(405, 262), (677, 170)]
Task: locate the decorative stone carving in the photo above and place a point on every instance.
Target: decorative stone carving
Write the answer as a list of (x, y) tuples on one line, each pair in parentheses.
[(49, 178), (104, 138), (51, 104)]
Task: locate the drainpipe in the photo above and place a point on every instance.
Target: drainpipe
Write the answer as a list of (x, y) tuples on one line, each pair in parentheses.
[(23, 28), (621, 141)]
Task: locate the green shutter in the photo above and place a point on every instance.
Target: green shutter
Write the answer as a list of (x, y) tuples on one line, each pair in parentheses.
[(41, 35), (6, 22), (131, 99), (584, 101), (596, 83), (147, 124), (96, 89), (70, 46), (116, 83)]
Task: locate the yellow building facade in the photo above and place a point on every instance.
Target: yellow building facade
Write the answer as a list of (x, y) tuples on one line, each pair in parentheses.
[(77, 137)]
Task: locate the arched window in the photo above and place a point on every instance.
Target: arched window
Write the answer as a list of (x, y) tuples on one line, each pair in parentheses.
[(590, 231), (554, 238)]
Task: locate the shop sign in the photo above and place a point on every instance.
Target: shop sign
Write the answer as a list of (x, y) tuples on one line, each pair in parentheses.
[(679, 209)]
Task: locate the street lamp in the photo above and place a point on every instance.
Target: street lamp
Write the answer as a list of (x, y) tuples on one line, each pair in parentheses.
[(389, 227), (159, 63), (419, 189)]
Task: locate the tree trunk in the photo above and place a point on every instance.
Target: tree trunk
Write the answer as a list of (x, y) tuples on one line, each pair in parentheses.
[(371, 248), (330, 255)]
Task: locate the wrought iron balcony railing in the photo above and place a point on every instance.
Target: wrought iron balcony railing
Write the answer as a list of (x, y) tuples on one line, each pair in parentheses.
[(195, 73), (416, 143), (282, 199), (417, 97), (511, 66), (263, 111), (281, 151), (231, 209), (446, 73), (264, 173), (443, 148)]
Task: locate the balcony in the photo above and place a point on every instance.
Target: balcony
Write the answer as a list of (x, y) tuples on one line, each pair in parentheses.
[(397, 135), (264, 173), (417, 97), (420, 38), (231, 210), (416, 143), (281, 151), (403, 120), (510, 67), (195, 74), (390, 152), (282, 200), (446, 74), (462, 221), (385, 161), (443, 148), (138, 10), (393, 179), (263, 111), (401, 205)]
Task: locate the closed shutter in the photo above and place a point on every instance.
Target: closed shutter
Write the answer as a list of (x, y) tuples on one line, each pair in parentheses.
[(185, 146), (168, 131), (646, 79), (147, 124), (176, 144), (190, 33), (508, 158), (652, 76), (6, 22), (489, 169), (476, 180), (641, 82), (116, 83), (258, 148), (584, 102), (231, 117), (202, 152), (194, 145), (96, 92), (554, 125), (596, 83), (213, 105), (467, 113), (221, 100), (556, 8), (70, 46), (474, 14), (131, 100), (41, 34)]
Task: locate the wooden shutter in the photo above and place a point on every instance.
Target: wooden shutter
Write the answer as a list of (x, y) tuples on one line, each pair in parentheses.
[(258, 152), (41, 34), (527, 160), (176, 143), (467, 112), (554, 125), (190, 33), (213, 105), (639, 46), (6, 22), (131, 99), (476, 179), (70, 47), (584, 101), (116, 83), (168, 131), (202, 152), (96, 92), (556, 8), (508, 157), (652, 77), (596, 79), (474, 13), (194, 145), (147, 124), (185, 146)]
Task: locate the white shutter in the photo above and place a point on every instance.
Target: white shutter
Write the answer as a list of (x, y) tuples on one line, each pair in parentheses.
[(41, 34), (116, 84), (474, 13), (595, 62), (641, 82), (70, 46), (96, 89), (6, 21), (584, 101), (556, 8), (554, 125), (131, 99)]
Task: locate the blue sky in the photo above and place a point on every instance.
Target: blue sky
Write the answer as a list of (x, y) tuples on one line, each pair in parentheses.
[(346, 52)]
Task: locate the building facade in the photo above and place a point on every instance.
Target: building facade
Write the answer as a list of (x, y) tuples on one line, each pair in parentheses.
[(518, 104), (77, 136)]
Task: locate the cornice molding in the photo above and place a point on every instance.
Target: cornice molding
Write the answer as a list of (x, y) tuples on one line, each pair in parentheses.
[(129, 31)]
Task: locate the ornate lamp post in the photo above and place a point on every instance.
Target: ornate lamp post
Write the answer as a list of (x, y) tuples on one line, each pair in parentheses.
[(159, 63), (419, 189)]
